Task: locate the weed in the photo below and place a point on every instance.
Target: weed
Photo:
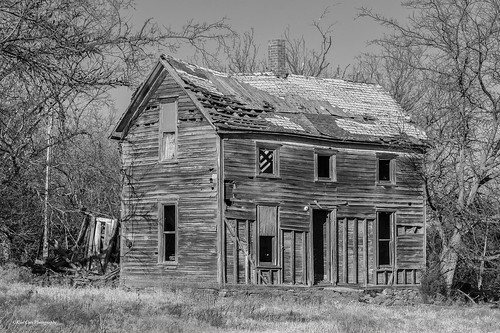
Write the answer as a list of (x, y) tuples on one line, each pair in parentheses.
[(71, 313), (212, 316)]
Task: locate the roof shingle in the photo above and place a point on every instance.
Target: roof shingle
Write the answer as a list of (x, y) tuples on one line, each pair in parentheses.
[(328, 108)]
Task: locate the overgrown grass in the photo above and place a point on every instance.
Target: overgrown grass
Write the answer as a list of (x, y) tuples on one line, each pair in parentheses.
[(29, 308)]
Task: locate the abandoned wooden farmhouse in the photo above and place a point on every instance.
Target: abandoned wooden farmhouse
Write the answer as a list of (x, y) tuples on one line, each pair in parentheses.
[(268, 178)]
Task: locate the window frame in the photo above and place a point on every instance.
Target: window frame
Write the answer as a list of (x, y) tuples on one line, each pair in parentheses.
[(332, 154), (391, 240), (275, 244), (162, 233), (276, 159), (392, 158), (162, 130)]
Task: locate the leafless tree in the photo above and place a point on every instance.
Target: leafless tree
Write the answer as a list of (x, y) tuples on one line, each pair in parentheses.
[(242, 54), (58, 61), (303, 60), (454, 49)]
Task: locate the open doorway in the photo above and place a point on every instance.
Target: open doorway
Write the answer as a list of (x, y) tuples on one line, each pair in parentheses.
[(321, 245)]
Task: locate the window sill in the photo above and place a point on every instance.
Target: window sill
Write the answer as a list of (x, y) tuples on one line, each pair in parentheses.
[(326, 180), (268, 266), (176, 161), (168, 264), (385, 184), (263, 175)]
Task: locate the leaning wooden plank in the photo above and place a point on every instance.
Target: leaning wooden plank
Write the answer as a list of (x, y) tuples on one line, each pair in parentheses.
[(91, 233), (112, 243), (81, 234)]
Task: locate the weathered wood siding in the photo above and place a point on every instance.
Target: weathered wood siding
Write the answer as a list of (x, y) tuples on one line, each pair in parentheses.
[(353, 201), (190, 182)]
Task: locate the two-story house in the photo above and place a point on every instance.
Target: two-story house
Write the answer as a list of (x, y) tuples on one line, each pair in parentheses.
[(269, 179)]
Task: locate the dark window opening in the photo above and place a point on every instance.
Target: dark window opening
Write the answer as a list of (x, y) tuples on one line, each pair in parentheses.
[(384, 170), (266, 161), (266, 249), (323, 166), (384, 238), (384, 254), (267, 232), (169, 233), (169, 247), (169, 218)]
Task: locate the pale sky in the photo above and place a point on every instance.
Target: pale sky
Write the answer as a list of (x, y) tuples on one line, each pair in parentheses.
[(270, 18)]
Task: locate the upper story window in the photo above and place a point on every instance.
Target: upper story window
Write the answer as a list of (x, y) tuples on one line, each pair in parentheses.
[(325, 166), (386, 169), (168, 131), (267, 163)]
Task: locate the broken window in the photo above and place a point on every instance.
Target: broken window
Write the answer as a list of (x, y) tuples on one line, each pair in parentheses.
[(325, 166), (268, 160), (168, 233), (384, 238), (168, 131), (267, 219), (386, 169)]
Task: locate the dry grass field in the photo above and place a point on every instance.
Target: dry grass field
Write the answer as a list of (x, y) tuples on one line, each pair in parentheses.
[(29, 308)]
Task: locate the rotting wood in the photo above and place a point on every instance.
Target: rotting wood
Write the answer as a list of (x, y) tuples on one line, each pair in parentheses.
[(240, 245), (334, 249), (365, 252), (232, 156), (355, 250), (292, 260), (345, 249), (81, 234)]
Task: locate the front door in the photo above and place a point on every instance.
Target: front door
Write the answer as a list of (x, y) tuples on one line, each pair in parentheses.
[(321, 245)]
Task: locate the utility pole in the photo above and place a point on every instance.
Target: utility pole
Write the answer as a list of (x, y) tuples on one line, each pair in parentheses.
[(46, 226)]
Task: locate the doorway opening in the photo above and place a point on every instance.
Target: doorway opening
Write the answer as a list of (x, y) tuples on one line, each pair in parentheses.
[(321, 245)]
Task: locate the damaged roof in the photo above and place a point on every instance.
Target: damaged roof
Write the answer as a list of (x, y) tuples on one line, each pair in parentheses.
[(318, 107)]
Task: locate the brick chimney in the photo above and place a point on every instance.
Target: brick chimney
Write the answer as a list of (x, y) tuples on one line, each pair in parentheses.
[(276, 57)]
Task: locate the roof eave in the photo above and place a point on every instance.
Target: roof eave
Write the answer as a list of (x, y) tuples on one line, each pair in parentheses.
[(191, 95), (409, 146), (142, 95)]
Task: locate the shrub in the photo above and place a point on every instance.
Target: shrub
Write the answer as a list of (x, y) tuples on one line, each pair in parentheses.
[(432, 284)]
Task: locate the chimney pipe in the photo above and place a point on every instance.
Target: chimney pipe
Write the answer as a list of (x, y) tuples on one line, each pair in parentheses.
[(276, 57)]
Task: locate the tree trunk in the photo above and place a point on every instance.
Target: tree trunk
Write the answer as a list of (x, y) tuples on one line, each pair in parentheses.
[(449, 259)]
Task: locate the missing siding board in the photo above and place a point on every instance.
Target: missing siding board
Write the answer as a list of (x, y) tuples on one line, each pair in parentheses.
[(409, 230)]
